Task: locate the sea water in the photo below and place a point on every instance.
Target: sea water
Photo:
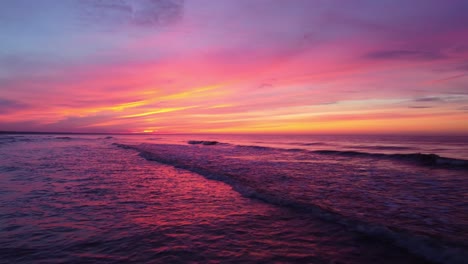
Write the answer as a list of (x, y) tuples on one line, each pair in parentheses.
[(233, 199)]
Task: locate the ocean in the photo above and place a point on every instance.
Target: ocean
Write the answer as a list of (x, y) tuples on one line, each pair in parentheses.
[(233, 199)]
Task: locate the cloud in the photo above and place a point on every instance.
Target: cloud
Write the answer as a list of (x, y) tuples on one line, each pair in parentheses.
[(22, 126), (462, 67), (404, 55), (434, 101), (113, 14), (84, 124), (458, 76), (419, 106), (7, 106), (265, 86), (428, 99)]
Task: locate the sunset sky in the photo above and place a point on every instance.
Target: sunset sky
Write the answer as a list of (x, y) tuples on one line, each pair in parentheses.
[(234, 66)]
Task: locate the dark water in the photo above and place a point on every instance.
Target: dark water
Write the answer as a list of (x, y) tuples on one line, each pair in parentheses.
[(247, 199)]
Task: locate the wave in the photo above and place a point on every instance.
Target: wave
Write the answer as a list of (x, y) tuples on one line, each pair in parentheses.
[(13, 139), (63, 138), (8, 168), (311, 144), (295, 143), (381, 147), (202, 142), (16, 138), (7, 139), (255, 147), (422, 159), (433, 249), (417, 158)]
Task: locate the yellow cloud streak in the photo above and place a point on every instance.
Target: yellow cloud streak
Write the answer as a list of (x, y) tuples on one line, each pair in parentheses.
[(159, 111), (186, 94), (92, 110), (126, 105)]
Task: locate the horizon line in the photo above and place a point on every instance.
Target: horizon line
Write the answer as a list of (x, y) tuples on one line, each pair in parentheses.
[(210, 133)]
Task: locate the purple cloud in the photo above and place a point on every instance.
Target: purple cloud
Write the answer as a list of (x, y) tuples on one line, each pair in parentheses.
[(113, 14), (404, 55), (7, 106), (428, 99)]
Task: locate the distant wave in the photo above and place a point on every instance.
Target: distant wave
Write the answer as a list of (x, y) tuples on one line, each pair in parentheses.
[(255, 147), (381, 147), (22, 138), (427, 247), (64, 138), (417, 158), (202, 142), (296, 143), (13, 139), (7, 139), (423, 159), (309, 144), (8, 168)]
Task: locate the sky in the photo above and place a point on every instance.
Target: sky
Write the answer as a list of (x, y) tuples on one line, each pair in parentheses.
[(234, 66)]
